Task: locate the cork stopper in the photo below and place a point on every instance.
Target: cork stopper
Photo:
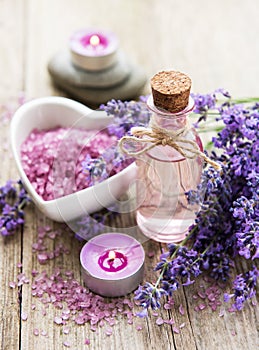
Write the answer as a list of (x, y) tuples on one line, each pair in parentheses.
[(171, 90)]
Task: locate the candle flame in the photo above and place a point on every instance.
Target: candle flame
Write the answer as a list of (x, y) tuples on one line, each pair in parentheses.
[(111, 255), (94, 40)]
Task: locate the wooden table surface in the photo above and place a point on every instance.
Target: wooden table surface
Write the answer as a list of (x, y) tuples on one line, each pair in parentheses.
[(216, 43)]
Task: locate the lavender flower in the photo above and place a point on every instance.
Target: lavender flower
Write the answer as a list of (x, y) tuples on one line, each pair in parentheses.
[(126, 114), (244, 287), (13, 199), (204, 103)]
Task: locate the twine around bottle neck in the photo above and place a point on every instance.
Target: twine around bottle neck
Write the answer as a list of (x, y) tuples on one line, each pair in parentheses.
[(158, 136)]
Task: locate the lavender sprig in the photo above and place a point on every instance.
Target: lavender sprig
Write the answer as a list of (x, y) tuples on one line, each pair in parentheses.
[(13, 199)]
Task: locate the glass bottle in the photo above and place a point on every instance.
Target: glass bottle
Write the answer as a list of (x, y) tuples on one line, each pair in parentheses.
[(164, 177)]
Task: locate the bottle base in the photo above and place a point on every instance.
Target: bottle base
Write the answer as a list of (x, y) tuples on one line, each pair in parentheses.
[(164, 230)]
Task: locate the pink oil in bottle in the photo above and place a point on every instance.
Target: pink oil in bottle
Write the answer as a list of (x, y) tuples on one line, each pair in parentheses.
[(164, 177)]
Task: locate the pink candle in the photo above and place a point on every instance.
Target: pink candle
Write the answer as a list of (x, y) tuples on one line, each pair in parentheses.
[(112, 264), (93, 49)]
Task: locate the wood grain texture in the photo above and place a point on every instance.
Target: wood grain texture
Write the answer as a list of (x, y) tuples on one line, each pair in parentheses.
[(217, 45)]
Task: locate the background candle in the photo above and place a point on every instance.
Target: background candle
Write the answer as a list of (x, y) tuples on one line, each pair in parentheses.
[(93, 49), (112, 264)]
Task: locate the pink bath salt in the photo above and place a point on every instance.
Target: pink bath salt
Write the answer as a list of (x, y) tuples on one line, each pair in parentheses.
[(167, 306), (58, 320), (67, 344), (139, 327), (176, 330), (221, 313), (12, 284), (66, 330), (202, 306), (211, 297), (87, 341), (151, 254), (159, 321), (24, 316), (202, 295), (213, 307), (36, 331), (109, 331), (52, 159), (170, 321), (42, 258), (181, 310)]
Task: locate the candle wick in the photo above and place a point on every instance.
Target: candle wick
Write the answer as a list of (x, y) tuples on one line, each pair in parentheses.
[(111, 255)]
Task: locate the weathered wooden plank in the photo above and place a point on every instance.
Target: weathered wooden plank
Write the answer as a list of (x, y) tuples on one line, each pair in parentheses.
[(11, 61)]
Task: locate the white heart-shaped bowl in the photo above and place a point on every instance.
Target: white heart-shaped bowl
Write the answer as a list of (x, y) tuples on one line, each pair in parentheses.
[(47, 113)]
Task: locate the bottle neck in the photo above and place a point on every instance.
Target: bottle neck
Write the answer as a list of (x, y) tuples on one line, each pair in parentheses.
[(167, 120)]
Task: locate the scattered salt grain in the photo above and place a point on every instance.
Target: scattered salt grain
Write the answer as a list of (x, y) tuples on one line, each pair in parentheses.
[(12, 284), (66, 330), (167, 306), (58, 320), (67, 344), (42, 258), (176, 330), (93, 328), (87, 341), (24, 316), (202, 295), (213, 307), (181, 309), (108, 332), (202, 306), (182, 325), (36, 331), (150, 254), (159, 321), (170, 321), (211, 297), (221, 313)]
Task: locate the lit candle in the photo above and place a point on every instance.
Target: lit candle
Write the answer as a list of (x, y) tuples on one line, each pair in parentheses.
[(93, 49), (112, 261), (112, 264)]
